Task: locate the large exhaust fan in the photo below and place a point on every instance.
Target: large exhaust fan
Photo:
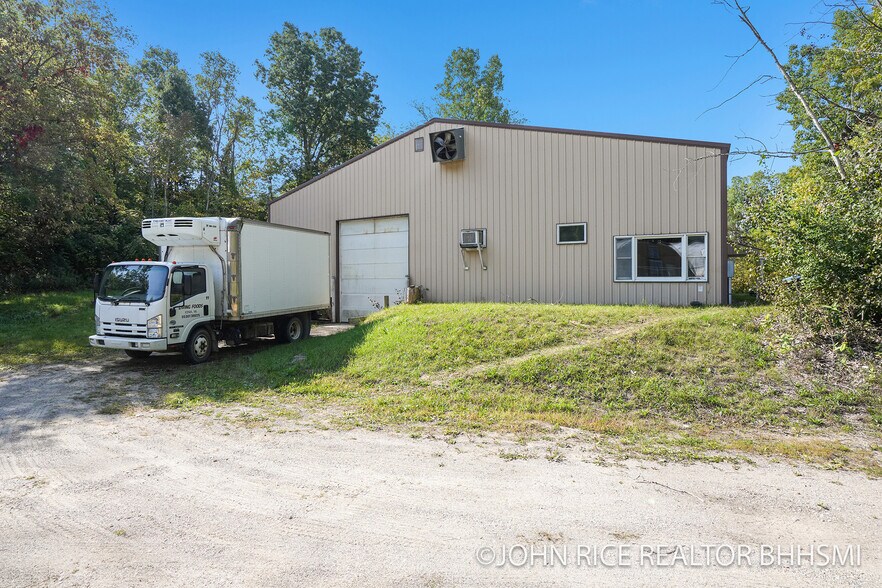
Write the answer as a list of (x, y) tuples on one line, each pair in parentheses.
[(447, 145)]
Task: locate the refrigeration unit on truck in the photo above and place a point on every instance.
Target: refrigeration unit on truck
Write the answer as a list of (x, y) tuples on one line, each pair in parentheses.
[(217, 279)]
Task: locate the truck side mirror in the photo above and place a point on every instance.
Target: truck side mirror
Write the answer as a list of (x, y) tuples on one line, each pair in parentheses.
[(96, 285), (187, 284)]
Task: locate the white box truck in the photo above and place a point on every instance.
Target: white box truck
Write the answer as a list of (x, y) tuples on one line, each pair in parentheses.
[(227, 279)]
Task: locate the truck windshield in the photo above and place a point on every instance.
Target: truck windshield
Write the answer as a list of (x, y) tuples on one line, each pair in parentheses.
[(133, 283)]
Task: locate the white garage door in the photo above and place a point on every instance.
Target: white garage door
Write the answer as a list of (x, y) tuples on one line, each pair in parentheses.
[(373, 264)]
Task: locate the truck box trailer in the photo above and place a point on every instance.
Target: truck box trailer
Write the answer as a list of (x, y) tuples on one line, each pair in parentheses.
[(216, 278)]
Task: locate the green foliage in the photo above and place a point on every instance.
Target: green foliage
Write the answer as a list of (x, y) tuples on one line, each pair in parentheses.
[(229, 170), (469, 91), (809, 222), (173, 127), (840, 80), (56, 153), (325, 109), (828, 233), (747, 195), (90, 143)]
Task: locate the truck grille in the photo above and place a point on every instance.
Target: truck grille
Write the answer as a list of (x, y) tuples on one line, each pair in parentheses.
[(183, 222), (124, 330)]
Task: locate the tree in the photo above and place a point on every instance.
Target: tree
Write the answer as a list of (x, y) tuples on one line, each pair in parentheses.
[(796, 92), (56, 136), (470, 92), (828, 234), (839, 80), (216, 90), (174, 128), (822, 219), (91, 144), (325, 109), (266, 169), (240, 164)]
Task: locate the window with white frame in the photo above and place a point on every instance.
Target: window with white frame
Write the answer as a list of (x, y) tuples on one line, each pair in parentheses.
[(661, 258), (571, 233)]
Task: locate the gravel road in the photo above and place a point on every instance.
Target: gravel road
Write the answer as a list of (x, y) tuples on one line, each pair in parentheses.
[(161, 498)]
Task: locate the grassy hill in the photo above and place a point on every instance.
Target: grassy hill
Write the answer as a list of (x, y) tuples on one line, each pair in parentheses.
[(678, 382), (675, 382)]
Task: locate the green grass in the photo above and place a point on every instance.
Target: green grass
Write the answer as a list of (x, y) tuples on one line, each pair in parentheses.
[(399, 350), (667, 382), (659, 381), (36, 328)]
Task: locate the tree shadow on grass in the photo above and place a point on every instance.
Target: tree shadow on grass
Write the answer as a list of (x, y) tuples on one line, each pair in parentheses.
[(263, 365)]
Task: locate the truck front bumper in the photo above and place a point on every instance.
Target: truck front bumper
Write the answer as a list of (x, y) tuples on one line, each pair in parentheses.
[(128, 343)]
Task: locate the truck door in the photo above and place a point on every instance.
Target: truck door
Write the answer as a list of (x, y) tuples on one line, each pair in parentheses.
[(190, 301)]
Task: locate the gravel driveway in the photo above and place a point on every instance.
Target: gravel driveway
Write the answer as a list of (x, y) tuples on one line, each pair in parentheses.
[(158, 497)]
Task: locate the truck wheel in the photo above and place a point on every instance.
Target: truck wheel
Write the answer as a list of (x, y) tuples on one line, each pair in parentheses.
[(137, 354), (199, 345), (290, 329)]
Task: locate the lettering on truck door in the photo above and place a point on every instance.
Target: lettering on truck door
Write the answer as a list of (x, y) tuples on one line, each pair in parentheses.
[(189, 299)]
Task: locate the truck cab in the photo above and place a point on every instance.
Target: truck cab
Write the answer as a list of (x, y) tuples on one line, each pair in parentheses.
[(145, 306)]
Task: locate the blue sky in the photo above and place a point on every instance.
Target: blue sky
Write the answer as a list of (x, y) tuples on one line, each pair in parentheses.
[(642, 67)]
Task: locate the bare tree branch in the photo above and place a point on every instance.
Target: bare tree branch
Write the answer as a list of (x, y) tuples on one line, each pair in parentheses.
[(736, 58), (831, 148), (760, 153), (755, 140), (760, 80), (809, 22)]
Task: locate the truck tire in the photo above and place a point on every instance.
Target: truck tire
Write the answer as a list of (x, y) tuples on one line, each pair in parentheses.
[(138, 354), (199, 346), (292, 328)]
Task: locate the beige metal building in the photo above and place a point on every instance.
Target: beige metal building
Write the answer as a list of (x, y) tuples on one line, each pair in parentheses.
[(566, 217)]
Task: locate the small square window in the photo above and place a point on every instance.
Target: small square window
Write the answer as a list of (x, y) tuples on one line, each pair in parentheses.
[(418, 144), (572, 233)]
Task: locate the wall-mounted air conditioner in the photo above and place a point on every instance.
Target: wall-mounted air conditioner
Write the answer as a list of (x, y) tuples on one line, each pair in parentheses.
[(472, 239)]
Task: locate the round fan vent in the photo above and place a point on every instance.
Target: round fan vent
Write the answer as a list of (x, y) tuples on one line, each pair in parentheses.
[(445, 146)]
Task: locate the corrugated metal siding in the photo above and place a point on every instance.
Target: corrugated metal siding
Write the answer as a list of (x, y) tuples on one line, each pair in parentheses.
[(519, 184)]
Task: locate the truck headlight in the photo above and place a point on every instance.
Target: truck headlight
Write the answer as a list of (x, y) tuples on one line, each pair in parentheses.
[(97, 325), (154, 327)]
